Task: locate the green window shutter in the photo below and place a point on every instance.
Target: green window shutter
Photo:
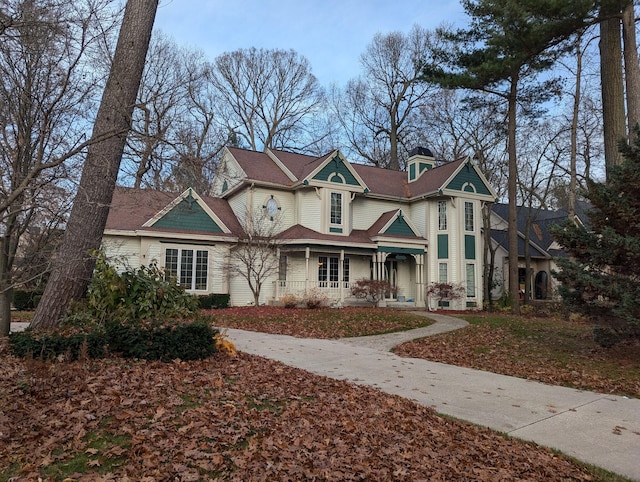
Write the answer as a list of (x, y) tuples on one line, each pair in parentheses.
[(443, 246), (469, 246)]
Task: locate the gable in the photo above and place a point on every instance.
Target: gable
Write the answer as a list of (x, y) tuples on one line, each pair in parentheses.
[(400, 227), (188, 215), (336, 171), (468, 180)]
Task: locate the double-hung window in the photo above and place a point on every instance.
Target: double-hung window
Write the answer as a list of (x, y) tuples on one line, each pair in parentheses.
[(336, 209), (468, 216), (443, 273), (188, 266), (442, 215)]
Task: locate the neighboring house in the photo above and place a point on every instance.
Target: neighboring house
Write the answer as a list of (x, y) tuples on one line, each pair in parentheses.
[(337, 222), (542, 248)]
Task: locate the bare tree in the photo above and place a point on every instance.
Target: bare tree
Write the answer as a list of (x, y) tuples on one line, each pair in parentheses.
[(160, 100), (198, 136), (256, 256), (378, 110), (267, 96), (47, 96), (74, 264)]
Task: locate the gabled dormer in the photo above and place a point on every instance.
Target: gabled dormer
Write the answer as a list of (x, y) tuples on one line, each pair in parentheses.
[(336, 170), (420, 160)]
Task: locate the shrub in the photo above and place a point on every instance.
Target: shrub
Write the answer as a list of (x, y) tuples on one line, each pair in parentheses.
[(25, 299), (446, 292), (150, 340), (213, 301), (137, 294), (371, 290), (314, 298), (290, 300), (51, 346), (153, 340), (137, 314)]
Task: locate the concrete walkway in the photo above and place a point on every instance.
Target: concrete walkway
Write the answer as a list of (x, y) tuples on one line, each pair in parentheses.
[(603, 430)]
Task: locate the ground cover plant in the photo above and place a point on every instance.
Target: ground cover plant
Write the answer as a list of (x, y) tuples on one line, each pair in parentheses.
[(549, 350), (242, 418), (317, 323)]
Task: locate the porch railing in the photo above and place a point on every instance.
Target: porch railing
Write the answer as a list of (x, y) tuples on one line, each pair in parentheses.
[(335, 290)]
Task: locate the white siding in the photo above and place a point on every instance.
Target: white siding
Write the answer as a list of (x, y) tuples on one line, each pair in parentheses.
[(238, 204), (366, 211), (310, 210), (418, 216), (122, 251)]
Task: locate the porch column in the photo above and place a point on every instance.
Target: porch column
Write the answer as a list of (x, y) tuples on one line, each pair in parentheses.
[(374, 259), (306, 278), (420, 280), (341, 275), (277, 290)]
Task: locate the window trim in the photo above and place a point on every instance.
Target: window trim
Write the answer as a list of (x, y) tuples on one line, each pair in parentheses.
[(329, 272), (471, 287), (469, 216), (196, 273), (442, 216), (441, 266), (339, 215)]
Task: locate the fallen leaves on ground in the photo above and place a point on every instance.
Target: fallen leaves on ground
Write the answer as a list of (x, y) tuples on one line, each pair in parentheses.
[(243, 419), (317, 323), (553, 351)]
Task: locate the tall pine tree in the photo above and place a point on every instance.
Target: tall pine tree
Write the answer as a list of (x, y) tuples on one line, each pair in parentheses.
[(508, 44), (601, 277)]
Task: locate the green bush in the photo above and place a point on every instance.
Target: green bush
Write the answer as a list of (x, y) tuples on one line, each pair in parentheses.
[(136, 294), (162, 341), (137, 314), (25, 299), (149, 340), (213, 301), (51, 346)]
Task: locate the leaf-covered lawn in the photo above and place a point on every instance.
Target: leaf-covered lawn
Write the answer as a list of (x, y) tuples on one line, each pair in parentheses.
[(549, 350), (241, 419), (319, 323)]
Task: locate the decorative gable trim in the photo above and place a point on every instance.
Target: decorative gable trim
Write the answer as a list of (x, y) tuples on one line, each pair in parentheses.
[(467, 178), (337, 170), (399, 225), (205, 219)]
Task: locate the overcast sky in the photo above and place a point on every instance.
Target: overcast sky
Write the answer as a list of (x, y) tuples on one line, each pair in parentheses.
[(331, 34)]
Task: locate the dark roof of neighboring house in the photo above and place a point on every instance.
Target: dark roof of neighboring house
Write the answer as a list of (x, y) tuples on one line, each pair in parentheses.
[(539, 232), (259, 166), (131, 208), (502, 238)]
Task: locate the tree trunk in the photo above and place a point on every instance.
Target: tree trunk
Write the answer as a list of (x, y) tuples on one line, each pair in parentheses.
[(512, 184), (613, 111), (573, 174), (631, 68), (75, 262)]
